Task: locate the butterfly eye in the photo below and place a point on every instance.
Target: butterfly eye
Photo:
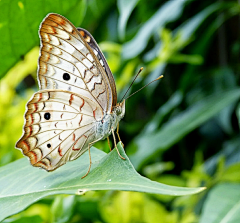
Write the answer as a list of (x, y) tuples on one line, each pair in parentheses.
[(118, 111), (47, 116), (49, 145), (66, 76)]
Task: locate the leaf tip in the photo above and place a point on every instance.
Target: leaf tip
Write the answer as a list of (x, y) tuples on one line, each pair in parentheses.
[(202, 189)]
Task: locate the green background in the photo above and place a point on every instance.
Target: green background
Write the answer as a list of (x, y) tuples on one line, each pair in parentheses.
[(182, 130)]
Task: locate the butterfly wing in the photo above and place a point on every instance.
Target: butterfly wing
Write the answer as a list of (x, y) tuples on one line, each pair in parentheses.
[(59, 126), (67, 62), (97, 51)]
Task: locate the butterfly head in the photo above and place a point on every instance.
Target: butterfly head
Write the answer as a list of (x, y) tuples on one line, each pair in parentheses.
[(120, 109)]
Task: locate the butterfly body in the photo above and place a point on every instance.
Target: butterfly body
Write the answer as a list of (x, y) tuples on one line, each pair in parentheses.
[(110, 121), (77, 103)]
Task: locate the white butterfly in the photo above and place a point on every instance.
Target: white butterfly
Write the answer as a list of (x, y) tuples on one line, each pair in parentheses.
[(77, 105)]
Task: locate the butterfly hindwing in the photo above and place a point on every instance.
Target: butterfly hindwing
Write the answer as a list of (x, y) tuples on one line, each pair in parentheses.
[(59, 126)]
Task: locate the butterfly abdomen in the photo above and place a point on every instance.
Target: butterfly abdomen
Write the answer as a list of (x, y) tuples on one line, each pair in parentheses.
[(105, 126)]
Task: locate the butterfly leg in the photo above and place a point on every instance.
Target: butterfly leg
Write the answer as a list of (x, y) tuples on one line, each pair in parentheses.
[(119, 135), (90, 144), (116, 144), (90, 162), (109, 144)]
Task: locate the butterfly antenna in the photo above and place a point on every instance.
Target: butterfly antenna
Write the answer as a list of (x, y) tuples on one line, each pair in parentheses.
[(132, 83), (144, 86)]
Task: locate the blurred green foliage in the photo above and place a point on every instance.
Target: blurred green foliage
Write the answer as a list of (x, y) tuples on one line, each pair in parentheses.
[(182, 130)]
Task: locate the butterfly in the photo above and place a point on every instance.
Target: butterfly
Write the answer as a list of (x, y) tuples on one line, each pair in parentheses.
[(77, 102)]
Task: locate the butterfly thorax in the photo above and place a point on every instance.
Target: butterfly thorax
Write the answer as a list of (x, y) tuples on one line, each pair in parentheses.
[(110, 121)]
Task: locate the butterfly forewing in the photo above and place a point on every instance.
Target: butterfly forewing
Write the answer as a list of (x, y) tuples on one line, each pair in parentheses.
[(67, 62), (59, 126)]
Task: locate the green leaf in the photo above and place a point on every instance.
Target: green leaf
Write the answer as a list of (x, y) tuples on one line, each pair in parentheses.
[(125, 8), (181, 125), (62, 208), (222, 204), (238, 114), (188, 28), (170, 11), (230, 152), (204, 39), (20, 22), (35, 219), (22, 185), (231, 174), (165, 109)]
